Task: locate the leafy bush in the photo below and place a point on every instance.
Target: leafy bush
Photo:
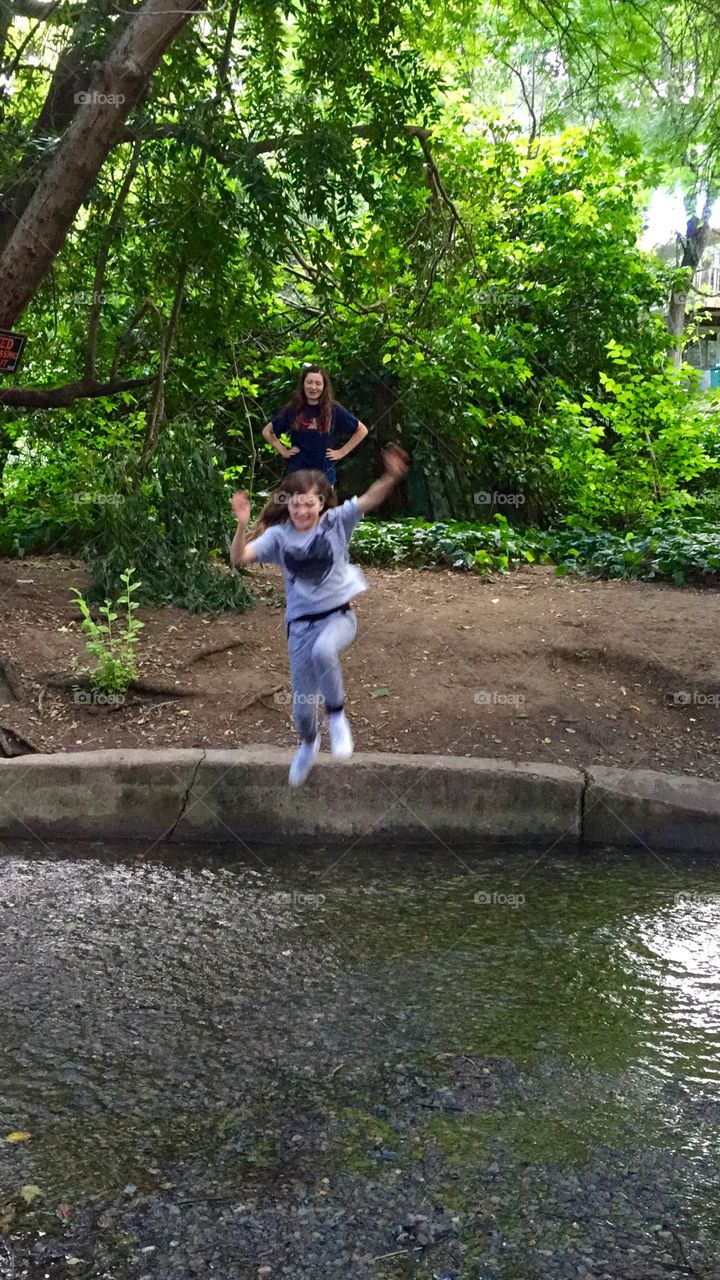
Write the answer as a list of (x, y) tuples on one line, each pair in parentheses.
[(55, 475), (170, 526), (687, 552), (681, 552), (458, 544), (633, 451)]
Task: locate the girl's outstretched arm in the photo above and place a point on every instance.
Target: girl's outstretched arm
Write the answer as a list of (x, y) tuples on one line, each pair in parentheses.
[(397, 465), (240, 553)]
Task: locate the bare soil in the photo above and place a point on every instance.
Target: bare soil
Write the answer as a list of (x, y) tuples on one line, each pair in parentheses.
[(526, 666)]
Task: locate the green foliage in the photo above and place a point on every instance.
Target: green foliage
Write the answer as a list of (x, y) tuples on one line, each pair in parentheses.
[(483, 352), (454, 544), (477, 292), (113, 650), (679, 552), (170, 525), (637, 448), (55, 475)]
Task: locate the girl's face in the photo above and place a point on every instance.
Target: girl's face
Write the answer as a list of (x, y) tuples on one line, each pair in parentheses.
[(313, 387), (305, 509)]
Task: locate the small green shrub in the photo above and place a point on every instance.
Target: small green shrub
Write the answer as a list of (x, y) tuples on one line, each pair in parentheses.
[(113, 651)]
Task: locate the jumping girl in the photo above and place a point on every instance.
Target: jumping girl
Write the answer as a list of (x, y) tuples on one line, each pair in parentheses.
[(313, 419), (303, 530)]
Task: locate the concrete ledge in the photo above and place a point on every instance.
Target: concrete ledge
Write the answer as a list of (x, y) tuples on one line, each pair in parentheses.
[(91, 794), (380, 798), (236, 796), (641, 808)]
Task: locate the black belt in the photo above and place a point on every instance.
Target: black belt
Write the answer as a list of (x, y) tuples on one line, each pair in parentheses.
[(315, 617)]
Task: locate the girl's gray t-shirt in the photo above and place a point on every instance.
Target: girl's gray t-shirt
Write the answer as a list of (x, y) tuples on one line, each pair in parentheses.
[(316, 565)]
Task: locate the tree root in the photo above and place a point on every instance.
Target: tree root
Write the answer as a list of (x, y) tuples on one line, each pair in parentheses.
[(216, 648), (64, 680), (8, 673), (13, 744)]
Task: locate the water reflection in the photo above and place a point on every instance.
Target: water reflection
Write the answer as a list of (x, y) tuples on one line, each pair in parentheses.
[(141, 996), (682, 971)]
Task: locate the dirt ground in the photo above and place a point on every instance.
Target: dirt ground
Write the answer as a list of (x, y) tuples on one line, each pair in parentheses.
[(523, 667)]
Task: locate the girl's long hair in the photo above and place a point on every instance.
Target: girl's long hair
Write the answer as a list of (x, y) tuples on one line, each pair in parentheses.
[(298, 404), (277, 509)]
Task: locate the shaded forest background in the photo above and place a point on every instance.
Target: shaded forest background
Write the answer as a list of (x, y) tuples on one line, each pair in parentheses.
[(440, 202)]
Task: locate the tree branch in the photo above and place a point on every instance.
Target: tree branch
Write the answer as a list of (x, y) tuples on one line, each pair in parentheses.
[(61, 397), (40, 9), (181, 133), (157, 407), (124, 338), (118, 85), (101, 264), (438, 185)]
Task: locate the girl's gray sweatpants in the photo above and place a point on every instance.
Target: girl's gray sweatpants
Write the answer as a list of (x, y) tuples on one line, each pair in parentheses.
[(315, 649)]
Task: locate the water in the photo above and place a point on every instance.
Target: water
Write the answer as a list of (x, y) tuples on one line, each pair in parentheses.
[(196, 1019)]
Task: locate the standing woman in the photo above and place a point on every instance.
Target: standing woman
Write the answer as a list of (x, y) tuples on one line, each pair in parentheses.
[(314, 420)]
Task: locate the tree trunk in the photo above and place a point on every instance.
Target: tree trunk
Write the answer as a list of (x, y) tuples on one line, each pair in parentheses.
[(696, 239), (117, 86)]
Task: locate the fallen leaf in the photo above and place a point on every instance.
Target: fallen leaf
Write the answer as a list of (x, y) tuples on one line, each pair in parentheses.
[(29, 1192), (17, 1135), (380, 693)]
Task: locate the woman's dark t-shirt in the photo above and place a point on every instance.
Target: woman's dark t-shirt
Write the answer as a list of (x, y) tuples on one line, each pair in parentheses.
[(313, 444)]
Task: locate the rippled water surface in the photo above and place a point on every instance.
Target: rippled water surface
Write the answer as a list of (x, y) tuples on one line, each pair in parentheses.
[(156, 1008)]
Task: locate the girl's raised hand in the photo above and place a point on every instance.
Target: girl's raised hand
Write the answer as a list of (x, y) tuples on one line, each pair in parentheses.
[(241, 507), (396, 461)]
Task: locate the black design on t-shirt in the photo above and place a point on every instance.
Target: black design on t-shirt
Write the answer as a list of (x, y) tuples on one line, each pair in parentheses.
[(313, 564)]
